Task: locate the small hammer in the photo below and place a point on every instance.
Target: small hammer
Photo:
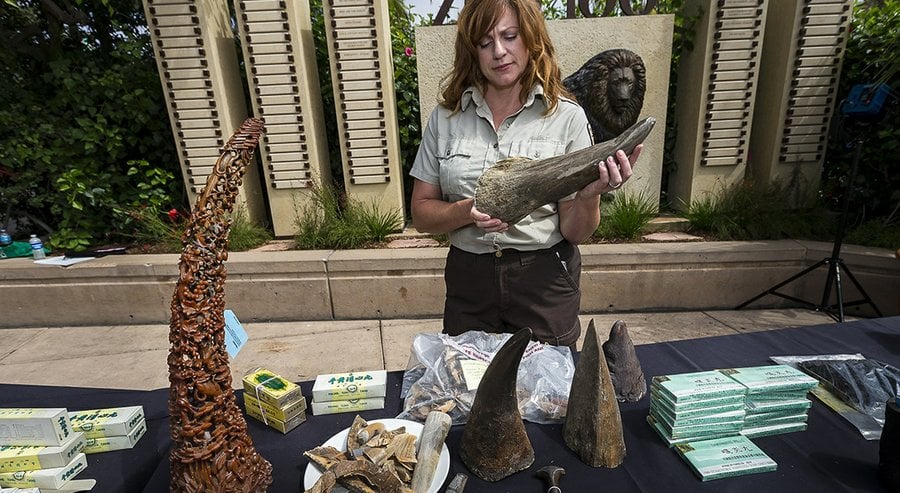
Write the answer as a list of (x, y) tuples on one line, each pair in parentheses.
[(552, 474)]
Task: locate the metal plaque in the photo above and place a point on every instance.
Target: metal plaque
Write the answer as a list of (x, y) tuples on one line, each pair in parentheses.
[(727, 13), (173, 42), (269, 38), (282, 119), (737, 85), (292, 138), (274, 59), (289, 175), (348, 3), (192, 104), (174, 21), (804, 130), (730, 55), (719, 143), (722, 161), (282, 89), (270, 80), (723, 152), (809, 110), (272, 69), (278, 99), (181, 9), (369, 180), (287, 157), (176, 32), (724, 124), (340, 34), (183, 63), (190, 114), (183, 53), (742, 75), (724, 134), (361, 85), (186, 84), (803, 139), (799, 158), (188, 73), (282, 109), (375, 162), (198, 133), (356, 144), (348, 75), (353, 23), (802, 149), (732, 34), (343, 55), (363, 115), (279, 185), (360, 95), (370, 104), (728, 95), (369, 152), (734, 65), (818, 41), (252, 17), (360, 11), (269, 48), (289, 165), (252, 5), (267, 27), (358, 65), (365, 134), (283, 129), (356, 170), (363, 124), (198, 123), (355, 44)]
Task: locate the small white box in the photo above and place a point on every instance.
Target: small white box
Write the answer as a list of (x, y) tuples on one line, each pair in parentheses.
[(34, 426), (115, 421), (346, 406), (31, 457), (53, 478), (117, 442), (352, 385)]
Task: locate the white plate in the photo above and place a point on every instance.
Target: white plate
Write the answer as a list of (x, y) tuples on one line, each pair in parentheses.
[(339, 441)]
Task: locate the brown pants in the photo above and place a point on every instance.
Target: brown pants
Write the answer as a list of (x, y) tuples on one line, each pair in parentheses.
[(536, 289)]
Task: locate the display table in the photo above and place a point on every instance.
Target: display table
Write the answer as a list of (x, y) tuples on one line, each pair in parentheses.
[(830, 456)]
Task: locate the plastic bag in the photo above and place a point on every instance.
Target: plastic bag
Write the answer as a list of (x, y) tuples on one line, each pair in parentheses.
[(863, 384), (444, 371)]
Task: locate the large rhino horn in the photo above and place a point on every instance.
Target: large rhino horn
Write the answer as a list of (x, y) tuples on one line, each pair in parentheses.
[(494, 442), (593, 426), (513, 188)]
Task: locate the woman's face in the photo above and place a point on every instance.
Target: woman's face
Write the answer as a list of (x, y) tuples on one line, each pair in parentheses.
[(502, 56)]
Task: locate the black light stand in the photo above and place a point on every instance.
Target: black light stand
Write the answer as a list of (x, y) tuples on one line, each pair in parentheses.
[(835, 263)]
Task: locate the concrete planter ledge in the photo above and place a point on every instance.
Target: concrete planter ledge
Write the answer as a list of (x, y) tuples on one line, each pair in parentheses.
[(408, 283)]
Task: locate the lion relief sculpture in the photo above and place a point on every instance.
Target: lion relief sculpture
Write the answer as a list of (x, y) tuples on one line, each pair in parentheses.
[(610, 87)]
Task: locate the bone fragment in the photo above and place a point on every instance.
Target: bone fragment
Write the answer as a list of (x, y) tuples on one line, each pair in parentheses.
[(431, 442)]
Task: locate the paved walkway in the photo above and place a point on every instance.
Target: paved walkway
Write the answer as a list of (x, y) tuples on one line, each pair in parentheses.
[(134, 356)]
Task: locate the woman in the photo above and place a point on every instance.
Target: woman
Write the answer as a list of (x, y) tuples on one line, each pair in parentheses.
[(504, 98)]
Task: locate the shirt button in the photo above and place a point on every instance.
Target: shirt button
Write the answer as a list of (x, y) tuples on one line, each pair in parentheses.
[(448, 152), (496, 145), (537, 154)]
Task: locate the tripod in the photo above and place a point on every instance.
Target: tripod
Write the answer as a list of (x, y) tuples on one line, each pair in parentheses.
[(834, 263)]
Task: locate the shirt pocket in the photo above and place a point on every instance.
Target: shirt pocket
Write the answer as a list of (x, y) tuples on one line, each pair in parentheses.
[(537, 149), (461, 163)]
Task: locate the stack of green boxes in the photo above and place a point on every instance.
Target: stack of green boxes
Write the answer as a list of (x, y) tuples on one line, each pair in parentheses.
[(776, 399), (39, 449), (116, 428), (725, 457), (273, 400), (689, 407)]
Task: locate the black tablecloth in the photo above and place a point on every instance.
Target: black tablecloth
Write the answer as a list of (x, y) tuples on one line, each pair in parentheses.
[(830, 456)]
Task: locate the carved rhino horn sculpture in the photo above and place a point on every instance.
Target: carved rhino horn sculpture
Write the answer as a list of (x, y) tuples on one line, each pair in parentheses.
[(624, 366), (593, 426), (211, 448), (513, 188), (494, 442)]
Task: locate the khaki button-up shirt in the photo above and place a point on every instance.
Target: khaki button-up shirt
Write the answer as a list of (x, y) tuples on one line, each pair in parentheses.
[(458, 147)]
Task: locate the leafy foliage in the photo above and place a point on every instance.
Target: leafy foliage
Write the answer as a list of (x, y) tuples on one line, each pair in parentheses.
[(88, 133), (748, 211), (327, 221), (626, 216), (871, 56)]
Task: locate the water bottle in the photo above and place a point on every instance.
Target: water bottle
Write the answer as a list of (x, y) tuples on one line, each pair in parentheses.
[(5, 238), (37, 247)]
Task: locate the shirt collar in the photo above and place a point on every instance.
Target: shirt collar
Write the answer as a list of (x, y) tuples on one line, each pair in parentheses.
[(473, 94)]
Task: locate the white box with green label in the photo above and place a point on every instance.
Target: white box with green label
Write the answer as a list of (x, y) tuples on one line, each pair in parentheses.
[(351, 385), (108, 422), (34, 426), (31, 457)]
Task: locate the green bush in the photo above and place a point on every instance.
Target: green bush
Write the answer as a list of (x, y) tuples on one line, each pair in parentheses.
[(871, 56), (626, 216), (748, 211), (87, 131), (330, 220)]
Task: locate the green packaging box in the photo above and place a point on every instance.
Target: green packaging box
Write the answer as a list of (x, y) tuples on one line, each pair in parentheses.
[(34, 426), (271, 411), (346, 406), (666, 406), (118, 442), (735, 401), (671, 442), (704, 419), (775, 417), (686, 387), (798, 405), (53, 478), (764, 431), (108, 422), (771, 378), (282, 426), (725, 457), (684, 431), (352, 385), (271, 388), (32, 457)]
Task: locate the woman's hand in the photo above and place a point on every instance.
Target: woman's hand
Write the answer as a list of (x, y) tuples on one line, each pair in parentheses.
[(487, 223), (614, 171)]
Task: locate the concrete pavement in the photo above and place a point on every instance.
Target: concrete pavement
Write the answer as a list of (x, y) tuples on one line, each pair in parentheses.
[(134, 356)]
